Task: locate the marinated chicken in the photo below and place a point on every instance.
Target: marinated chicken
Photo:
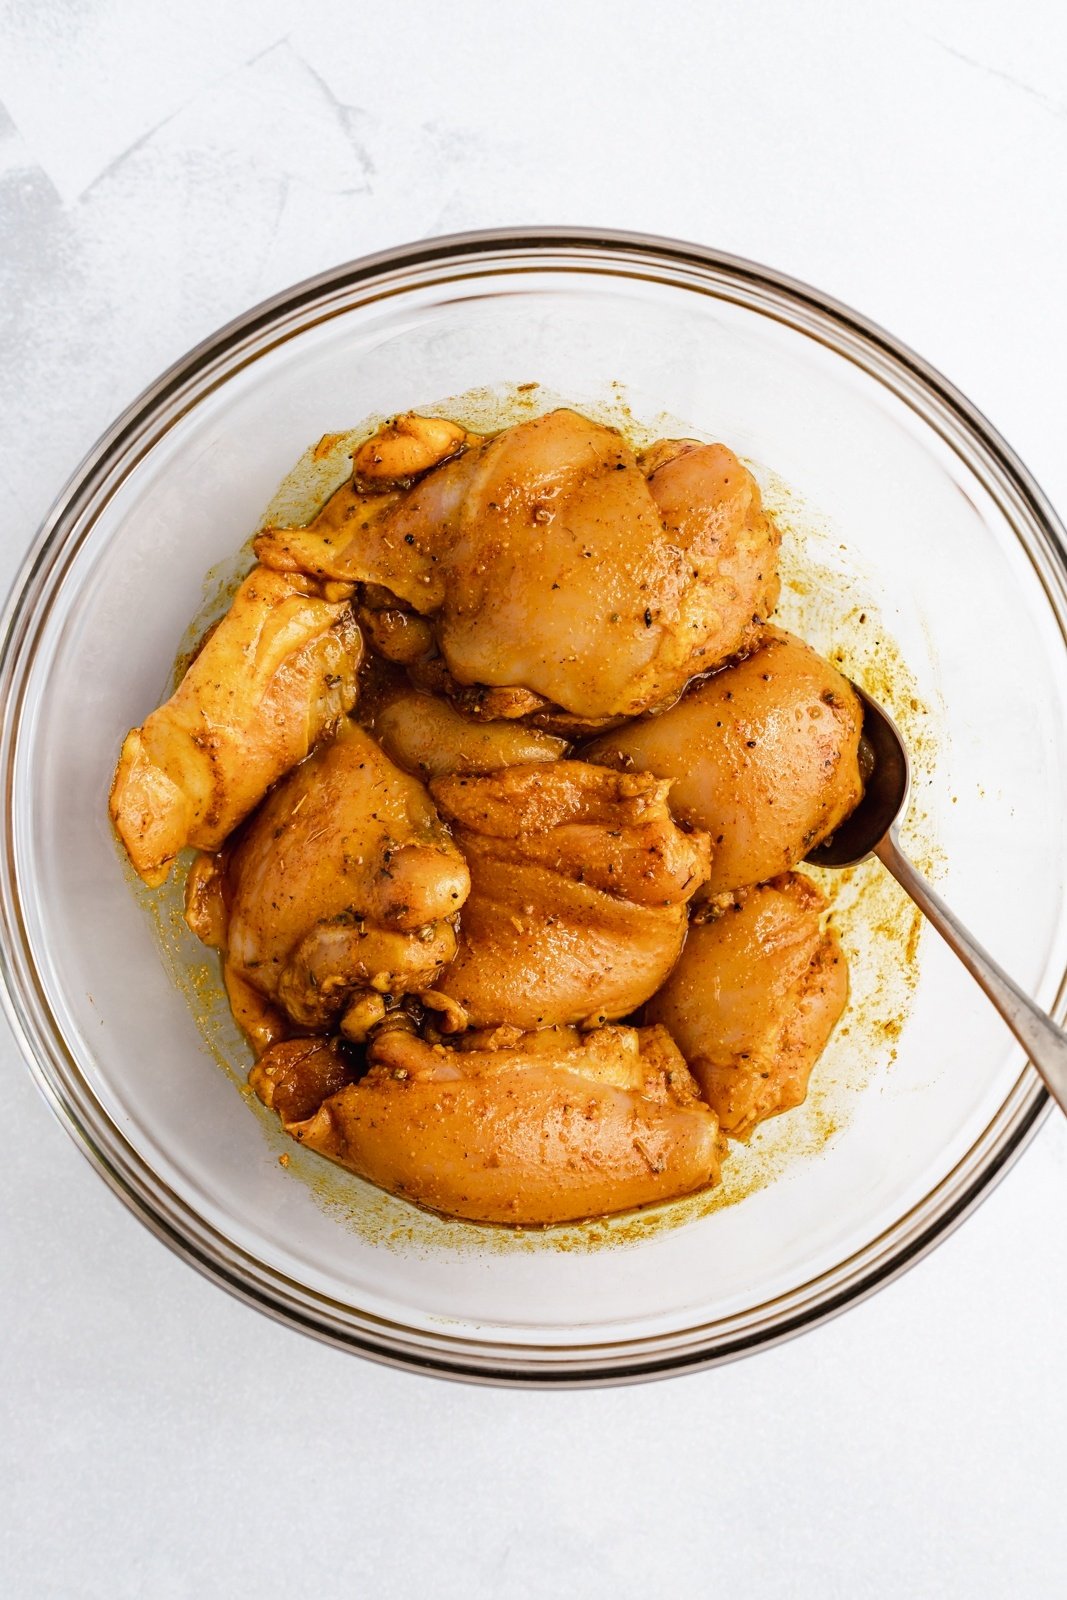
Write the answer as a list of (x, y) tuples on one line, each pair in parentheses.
[(552, 559), (342, 889), (754, 999), (554, 1127), (580, 880), (430, 737), (404, 449), (764, 755), (518, 941), (277, 675)]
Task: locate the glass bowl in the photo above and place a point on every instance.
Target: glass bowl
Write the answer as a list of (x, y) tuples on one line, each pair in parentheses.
[(941, 532)]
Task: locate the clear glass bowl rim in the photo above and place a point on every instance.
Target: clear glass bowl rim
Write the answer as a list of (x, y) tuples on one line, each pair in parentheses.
[(514, 251)]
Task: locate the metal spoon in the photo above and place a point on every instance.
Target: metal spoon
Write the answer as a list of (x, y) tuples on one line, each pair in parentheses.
[(874, 829)]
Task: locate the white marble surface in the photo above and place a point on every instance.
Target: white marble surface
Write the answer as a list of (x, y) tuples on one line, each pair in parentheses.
[(162, 167)]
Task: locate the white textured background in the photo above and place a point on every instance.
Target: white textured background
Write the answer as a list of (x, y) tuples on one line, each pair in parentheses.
[(161, 168)]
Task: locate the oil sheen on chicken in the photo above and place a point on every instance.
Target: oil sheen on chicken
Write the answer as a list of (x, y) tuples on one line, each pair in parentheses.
[(555, 1127), (277, 675), (579, 884), (343, 888), (754, 999), (764, 755), (552, 559)]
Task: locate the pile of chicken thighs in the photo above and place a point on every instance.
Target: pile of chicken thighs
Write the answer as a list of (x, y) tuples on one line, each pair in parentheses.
[(498, 776)]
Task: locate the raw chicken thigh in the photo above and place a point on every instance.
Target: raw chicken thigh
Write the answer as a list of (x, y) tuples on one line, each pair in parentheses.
[(551, 1128), (342, 889), (552, 559), (579, 887), (430, 737), (276, 676), (754, 999), (764, 755)]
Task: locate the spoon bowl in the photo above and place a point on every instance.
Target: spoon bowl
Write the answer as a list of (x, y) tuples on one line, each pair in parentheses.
[(886, 772)]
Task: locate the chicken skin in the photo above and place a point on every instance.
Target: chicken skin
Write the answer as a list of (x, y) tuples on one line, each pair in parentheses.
[(764, 755), (277, 675), (343, 888), (579, 885), (754, 999), (555, 1127), (551, 559)]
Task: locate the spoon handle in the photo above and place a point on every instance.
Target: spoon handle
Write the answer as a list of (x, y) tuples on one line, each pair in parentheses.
[(1043, 1041)]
